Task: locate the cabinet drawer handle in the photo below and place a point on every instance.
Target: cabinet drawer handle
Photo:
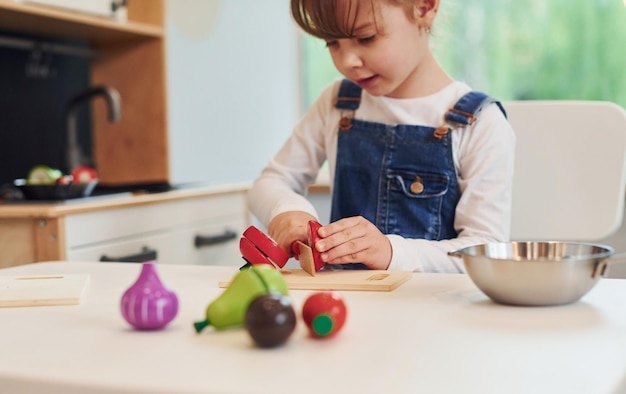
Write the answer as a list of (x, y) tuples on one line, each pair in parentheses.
[(146, 254), (201, 240)]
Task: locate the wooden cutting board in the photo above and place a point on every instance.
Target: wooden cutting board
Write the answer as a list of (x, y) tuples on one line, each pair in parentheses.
[(42, 290), (359, 280)]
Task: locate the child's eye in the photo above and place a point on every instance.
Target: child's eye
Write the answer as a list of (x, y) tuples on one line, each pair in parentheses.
[(331, 44), (366, 40)]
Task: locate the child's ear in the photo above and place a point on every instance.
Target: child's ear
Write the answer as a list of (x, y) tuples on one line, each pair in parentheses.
[(425, 11)]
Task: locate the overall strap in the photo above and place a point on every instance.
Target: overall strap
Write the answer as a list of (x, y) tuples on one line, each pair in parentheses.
[(466, 111), (349, 96)]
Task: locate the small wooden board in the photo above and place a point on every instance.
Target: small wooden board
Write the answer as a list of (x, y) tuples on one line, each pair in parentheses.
[(45, 290), (359, 280)]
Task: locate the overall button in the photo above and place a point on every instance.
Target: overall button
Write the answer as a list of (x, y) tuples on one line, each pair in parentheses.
[(441, 132), (417, 186), (345, 123)]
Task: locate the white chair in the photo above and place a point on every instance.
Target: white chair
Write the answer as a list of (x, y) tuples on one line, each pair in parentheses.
[(570, 169)]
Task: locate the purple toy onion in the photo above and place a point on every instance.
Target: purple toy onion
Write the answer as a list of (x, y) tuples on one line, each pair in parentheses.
[(148, 304)]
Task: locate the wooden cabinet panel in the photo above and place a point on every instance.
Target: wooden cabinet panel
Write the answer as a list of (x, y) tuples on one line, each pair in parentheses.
[(16, 242), (145, 20), (134, 150), (24, 241), (49, 239)]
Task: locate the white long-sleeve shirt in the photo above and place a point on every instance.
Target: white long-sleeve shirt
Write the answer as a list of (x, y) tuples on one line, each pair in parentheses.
[(483, 157)]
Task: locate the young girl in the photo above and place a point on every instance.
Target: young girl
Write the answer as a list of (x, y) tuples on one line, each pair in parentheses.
[(419, 163)]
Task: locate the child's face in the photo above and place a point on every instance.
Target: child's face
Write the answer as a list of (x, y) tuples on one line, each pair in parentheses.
[(385, 54)]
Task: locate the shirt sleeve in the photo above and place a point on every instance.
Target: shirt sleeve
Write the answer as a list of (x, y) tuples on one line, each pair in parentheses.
[(283, 183), (484, 154)]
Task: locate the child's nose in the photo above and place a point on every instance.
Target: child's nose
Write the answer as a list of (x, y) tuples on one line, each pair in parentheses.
[(350, 58)]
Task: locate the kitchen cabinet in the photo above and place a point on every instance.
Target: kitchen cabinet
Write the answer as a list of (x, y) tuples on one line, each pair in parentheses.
[(187, 226), (168, 229), (131, 58)]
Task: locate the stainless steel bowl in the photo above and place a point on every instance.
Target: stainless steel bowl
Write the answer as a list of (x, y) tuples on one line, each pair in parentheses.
[(535, 273)]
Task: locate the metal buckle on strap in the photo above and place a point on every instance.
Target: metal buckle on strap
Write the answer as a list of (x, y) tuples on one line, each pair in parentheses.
[(348, 99), (471, 117)]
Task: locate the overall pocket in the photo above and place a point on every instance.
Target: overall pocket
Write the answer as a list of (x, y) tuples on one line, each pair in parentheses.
[(414, 202)]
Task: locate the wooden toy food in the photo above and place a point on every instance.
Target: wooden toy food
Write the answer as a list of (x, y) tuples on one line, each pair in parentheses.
[(258, 248), (229, 309), (310, 259), (270, 320), (148, 304), (324, 313)]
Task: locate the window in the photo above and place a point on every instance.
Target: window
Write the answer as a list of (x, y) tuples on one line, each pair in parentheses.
[(516, 50)]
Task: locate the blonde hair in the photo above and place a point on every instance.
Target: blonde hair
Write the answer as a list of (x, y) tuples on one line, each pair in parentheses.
[(319, 17)]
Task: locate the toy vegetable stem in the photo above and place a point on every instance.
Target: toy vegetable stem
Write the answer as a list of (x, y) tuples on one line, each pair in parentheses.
[(201, 325)]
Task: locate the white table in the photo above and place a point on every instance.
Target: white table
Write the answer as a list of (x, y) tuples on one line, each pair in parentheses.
[(434, 334)]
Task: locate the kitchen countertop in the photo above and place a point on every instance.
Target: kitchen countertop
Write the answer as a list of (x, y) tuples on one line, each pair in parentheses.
[(33, 209), (434, 334)]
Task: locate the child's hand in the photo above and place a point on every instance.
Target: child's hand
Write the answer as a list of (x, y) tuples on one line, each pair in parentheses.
[(287, 227), (354, 240)]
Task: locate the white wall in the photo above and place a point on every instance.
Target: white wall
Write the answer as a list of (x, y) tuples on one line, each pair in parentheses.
[(232, 80)]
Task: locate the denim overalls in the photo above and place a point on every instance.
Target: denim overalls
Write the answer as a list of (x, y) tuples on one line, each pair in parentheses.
[(401, 178)]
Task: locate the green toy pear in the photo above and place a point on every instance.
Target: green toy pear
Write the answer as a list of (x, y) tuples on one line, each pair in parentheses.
[(229, 309)]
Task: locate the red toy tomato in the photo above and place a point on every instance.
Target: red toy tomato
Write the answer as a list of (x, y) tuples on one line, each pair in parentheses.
[(324, 313), (84, 174)]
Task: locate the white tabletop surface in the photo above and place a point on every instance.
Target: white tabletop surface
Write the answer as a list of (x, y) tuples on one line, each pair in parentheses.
[(434, 334)]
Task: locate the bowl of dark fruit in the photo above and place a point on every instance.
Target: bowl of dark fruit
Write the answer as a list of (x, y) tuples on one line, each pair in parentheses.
[(55, 191), (45, 183)]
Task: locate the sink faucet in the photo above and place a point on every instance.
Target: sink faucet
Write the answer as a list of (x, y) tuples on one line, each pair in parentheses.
[(75, 157)]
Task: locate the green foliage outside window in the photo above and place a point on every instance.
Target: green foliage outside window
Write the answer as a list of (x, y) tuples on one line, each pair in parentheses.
[(518, 50)]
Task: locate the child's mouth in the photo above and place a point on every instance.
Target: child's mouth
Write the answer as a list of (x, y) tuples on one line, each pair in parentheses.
[(367, 82)]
